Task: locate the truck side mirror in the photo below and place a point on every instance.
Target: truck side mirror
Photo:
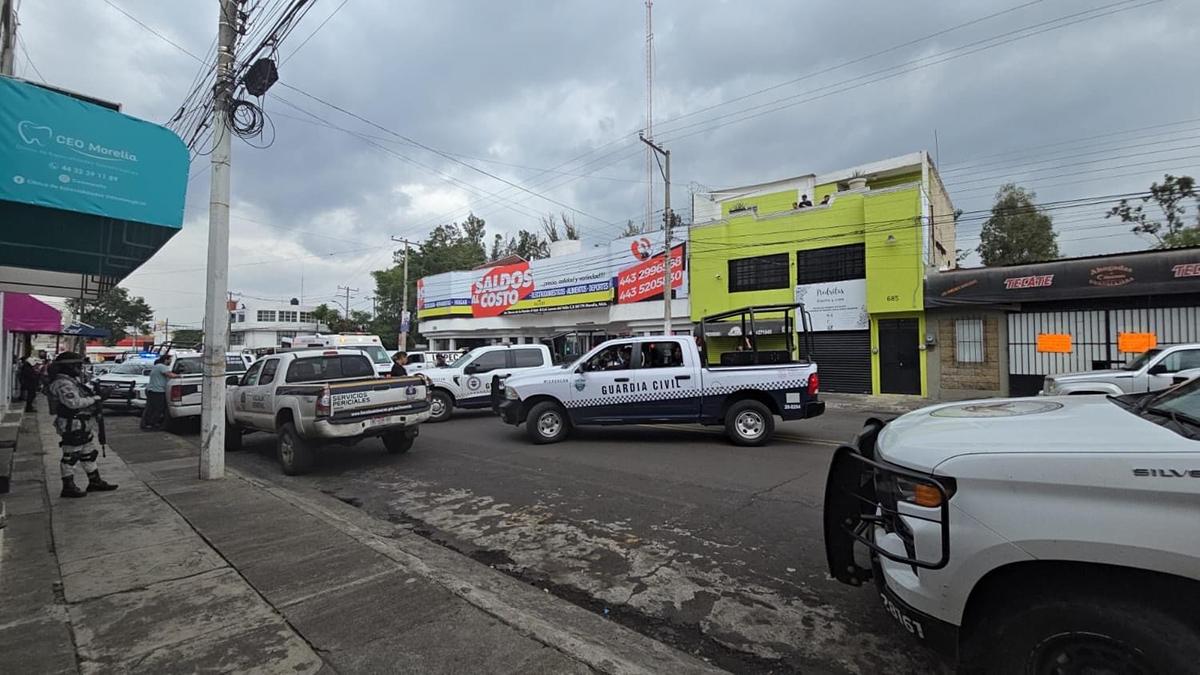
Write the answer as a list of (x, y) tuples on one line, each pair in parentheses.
[(471, 368), (1157, 369), (233, 380)]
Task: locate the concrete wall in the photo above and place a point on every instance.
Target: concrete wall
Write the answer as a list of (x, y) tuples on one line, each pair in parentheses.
[(949, 380)]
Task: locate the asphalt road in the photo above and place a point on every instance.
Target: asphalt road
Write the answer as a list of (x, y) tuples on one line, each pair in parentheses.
[(675, 532)]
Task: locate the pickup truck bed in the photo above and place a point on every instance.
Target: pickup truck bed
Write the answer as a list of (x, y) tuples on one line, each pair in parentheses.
[(311, 398)]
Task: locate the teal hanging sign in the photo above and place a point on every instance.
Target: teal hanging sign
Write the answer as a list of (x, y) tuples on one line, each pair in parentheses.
[(60, 152)]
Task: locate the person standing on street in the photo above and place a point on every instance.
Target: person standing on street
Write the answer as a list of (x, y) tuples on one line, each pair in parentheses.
[(29, 379), (399, 359), (74, 406), (156, 393)]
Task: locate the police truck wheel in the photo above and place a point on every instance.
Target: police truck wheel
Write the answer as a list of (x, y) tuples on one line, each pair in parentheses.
[(397, 442), (233, 438), (1081, 633), (441, 406), (296, 455), (749, 423), (547, 423)]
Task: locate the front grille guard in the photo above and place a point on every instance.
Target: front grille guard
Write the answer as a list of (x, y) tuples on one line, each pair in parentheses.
[(853, 510)]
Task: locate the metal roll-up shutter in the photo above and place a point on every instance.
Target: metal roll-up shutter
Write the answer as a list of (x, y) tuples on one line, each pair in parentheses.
[(843, 360)]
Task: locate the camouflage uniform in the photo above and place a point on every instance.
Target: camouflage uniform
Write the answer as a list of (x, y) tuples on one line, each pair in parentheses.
[(75, 411)]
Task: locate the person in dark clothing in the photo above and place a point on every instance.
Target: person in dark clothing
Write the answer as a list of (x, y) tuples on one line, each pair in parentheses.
[(398, 361), (29, 379), (805, 202)]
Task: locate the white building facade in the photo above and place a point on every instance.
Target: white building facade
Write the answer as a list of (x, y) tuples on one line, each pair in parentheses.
[(255, 324), (571, 301)]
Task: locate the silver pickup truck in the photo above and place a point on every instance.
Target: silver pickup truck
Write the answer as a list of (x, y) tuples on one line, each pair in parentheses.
[(1153, 370), (315, 397)]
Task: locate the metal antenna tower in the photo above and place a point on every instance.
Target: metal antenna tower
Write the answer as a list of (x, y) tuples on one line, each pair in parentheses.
[(647, 224)]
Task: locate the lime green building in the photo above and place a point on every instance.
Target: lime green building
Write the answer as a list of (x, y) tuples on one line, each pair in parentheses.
[(852, 245)]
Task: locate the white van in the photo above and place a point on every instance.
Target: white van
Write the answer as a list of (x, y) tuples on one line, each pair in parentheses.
[(371, 345)]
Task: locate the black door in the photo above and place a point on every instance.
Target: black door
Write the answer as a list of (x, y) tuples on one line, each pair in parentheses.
[(899, 357)]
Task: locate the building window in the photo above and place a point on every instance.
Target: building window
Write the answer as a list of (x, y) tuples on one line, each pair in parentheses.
[(968, 340), (835, 263), (237, 339), (241, 317), (266, 315), (307, 317), (758, 274), (287, 316), (282, 334)]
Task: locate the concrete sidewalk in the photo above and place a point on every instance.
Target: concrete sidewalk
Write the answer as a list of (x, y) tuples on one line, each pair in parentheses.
[(173, 574)]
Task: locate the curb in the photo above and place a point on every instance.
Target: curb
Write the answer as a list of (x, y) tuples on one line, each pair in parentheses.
[(599, 643)]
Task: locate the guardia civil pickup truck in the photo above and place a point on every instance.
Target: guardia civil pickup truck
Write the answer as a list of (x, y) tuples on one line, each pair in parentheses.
[(657, 379), (1031, 535), (468, 382), (314, 397)]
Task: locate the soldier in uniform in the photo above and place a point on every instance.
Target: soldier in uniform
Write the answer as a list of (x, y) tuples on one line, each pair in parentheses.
[(75, 407)]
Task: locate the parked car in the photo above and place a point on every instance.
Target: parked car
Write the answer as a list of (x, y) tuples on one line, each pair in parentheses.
[(1150, 371), (467, 382), (183, 392), (657, 379), (311, 398), (1031, 535), (124, 385)]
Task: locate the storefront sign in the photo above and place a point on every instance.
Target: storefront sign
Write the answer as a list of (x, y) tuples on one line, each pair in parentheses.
[(1148, 273), (1054, 343), (835, 305), (64, 153), (1136, 343), (645, 280), (500, 288), (579, 281)]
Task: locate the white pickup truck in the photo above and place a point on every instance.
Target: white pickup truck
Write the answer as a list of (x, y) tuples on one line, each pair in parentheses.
[(322, 396), (1031, 535), (650, 380), (1152, 370), (467, 382), (183, 392)]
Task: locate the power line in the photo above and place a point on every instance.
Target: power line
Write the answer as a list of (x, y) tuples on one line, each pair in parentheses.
[(315, 31), (441, 153), (162, 37), (29, 59)]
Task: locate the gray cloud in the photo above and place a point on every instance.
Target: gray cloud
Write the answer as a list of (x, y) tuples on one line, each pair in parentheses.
[(535, 84)]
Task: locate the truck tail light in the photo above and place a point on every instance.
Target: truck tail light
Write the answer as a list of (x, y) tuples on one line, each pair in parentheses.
[(814, 384), (323, 403), (176, 393)]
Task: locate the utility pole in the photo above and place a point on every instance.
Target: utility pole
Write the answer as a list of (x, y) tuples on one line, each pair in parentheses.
[(402, 341), (668, 221), (216, 314), (8, 38), (347, 305)]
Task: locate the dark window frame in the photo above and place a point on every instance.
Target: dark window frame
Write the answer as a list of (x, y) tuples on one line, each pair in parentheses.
[(269, 370), (760, 273), (831, 263)]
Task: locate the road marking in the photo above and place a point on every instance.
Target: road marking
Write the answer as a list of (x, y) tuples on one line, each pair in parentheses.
[(785, 437)]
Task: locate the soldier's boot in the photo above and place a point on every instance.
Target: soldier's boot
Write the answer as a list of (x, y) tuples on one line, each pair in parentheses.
[(70, 489), (97, 484)]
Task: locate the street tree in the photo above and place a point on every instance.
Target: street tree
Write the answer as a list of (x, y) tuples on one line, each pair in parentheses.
[(630, 229), (115, 311), (550, 227), (1017, 231), (448, 247), (187, 336), (1174, 230), (570, 227)]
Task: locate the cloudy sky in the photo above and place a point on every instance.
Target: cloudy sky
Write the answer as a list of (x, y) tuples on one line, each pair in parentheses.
[(1072, 99)]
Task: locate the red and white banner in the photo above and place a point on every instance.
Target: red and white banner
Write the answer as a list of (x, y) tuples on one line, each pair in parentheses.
[(645, 280), (500, 288)]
